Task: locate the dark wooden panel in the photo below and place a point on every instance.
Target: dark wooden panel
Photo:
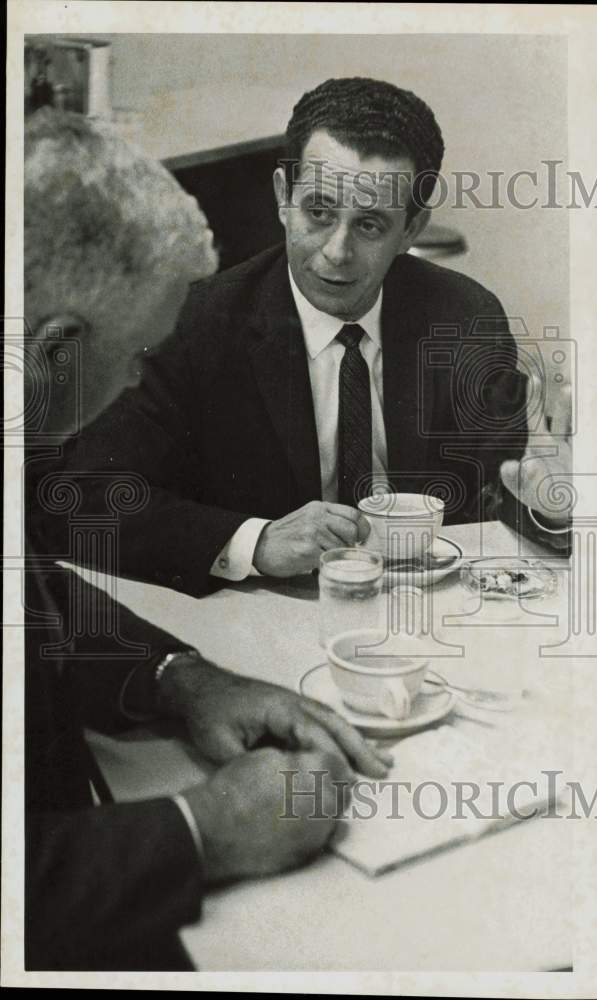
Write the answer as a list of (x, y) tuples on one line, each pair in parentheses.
[(236, 193)]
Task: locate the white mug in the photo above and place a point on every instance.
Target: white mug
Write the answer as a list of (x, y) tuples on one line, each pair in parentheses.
[(403, 525), (377, 673)]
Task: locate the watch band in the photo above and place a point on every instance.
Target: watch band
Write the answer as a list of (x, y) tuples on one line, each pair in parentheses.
[(167, 660), (156, 676)]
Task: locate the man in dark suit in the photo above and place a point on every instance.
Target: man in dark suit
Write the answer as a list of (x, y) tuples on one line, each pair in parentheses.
[(110, 238), (324, 369)]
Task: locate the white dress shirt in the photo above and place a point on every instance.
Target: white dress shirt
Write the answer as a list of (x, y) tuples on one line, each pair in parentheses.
[(324, 356)]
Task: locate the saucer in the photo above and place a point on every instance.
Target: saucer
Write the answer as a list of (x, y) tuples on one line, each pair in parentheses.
[(430, 705), (442, 558)]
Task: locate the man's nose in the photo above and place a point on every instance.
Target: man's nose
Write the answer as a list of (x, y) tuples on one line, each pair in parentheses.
[(337, 248)]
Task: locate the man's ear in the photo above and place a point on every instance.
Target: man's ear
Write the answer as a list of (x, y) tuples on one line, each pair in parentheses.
[(281, 194), (415, 228)]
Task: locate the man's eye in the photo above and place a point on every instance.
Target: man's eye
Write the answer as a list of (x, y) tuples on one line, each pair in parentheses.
[(370, 227), (319, 214)]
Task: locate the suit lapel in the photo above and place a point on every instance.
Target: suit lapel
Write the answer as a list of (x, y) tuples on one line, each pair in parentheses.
[(279, 363), (404, 324)]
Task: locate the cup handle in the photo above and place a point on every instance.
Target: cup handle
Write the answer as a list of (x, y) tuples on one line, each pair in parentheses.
[(394, 699)]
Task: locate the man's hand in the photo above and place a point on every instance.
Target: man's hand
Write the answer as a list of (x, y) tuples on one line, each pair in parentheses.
[(537, 476), (294, 543), (227, 715), (244, 812)]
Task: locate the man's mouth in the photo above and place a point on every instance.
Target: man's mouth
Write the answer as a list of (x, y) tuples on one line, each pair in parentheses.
[(335, 282)]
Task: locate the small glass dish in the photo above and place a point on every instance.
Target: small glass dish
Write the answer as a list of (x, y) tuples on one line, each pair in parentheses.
[(507, 578)]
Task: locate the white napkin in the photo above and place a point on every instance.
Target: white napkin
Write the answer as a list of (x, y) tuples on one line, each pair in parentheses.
[(386, 826)]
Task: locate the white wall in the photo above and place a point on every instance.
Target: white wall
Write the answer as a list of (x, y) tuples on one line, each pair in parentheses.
[(500, 100)]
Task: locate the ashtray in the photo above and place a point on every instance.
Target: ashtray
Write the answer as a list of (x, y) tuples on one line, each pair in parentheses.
[(503, 578)]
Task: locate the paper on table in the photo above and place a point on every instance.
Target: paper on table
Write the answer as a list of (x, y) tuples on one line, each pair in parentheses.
[(144, 764), (388, 824)]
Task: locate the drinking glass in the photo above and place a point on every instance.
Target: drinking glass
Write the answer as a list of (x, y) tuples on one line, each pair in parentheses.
[(350, 592)]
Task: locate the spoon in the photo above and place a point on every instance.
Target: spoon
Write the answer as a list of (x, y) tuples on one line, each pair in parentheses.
[(493, 701)]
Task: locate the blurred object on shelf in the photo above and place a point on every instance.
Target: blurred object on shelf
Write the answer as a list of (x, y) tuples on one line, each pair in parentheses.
[(68, 73), (38, 89), (439, 241)]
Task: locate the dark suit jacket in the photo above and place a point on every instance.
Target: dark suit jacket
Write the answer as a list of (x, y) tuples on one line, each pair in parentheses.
[(223, 425), (105, 888)]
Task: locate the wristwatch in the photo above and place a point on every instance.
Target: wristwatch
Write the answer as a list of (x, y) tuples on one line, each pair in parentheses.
[(167, 660), (149, 684)]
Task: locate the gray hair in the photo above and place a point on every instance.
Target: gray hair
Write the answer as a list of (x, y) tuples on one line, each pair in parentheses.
[(103, 221)]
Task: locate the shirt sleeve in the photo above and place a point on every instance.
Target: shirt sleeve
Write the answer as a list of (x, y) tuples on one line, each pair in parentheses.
[(521, 519), (235, 560), (187, 814), (540, 523)]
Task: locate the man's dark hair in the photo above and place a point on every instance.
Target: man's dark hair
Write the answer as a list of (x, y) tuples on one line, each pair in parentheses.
[(374, 118)]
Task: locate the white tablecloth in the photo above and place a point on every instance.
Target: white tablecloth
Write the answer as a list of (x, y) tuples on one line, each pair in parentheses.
[(505, 902)]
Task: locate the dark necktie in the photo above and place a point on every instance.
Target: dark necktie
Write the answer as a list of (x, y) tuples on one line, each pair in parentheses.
[(354, 419)]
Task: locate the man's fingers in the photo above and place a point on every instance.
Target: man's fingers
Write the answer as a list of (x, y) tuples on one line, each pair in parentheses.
[(364, 758), (327, 539), (561, 421), (286, 724), (510, 473), (386, 756), (314, 726), (527, 480), (347, 532), (219, 743), (353, 516), (535, 405), (343, 510), (364, 528), (524, 479)]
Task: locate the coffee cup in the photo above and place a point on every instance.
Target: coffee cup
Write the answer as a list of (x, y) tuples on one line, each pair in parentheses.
[(377, 673), (403, 525)]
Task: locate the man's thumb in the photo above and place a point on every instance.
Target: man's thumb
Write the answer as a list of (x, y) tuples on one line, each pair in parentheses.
[(220, 744), (510, 473)]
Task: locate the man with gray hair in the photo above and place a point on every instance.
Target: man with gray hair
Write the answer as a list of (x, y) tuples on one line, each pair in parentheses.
[(111, 243), (124, 240)]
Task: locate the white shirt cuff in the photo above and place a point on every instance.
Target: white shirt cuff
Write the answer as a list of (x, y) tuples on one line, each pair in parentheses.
[(187, 813), (235, 560), (543, 527)]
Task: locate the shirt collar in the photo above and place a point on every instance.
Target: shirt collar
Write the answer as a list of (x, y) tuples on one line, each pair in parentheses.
[(320, 329)]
